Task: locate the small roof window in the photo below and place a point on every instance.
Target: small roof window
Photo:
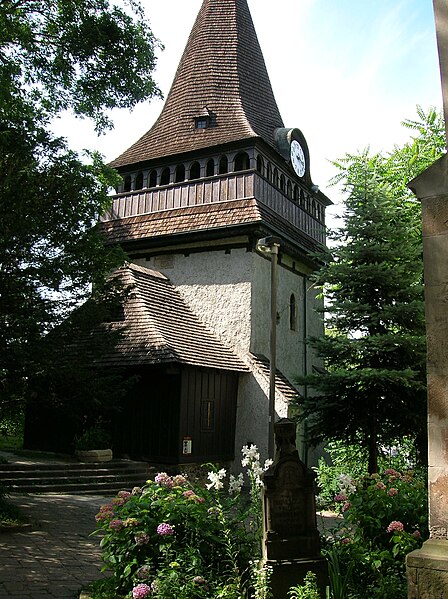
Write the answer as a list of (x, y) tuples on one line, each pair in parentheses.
[(204, 119)]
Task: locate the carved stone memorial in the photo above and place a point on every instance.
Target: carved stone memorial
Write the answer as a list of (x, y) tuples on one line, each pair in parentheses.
[(291, 544)]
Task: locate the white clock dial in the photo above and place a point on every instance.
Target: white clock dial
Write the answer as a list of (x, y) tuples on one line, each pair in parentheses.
[(297, 158)]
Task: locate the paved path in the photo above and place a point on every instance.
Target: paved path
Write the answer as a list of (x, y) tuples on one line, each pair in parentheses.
[(56, 557)]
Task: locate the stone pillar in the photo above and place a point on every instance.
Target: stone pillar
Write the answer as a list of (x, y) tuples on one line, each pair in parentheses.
[(291, 544), (428, 567)]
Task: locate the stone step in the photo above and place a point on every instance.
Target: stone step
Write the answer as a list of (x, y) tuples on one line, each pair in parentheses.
[(63, 480), (74, 477), (63, 473), (122, 464), (97, 488)]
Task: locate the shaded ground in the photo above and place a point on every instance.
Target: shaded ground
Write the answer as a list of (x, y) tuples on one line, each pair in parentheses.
[(57, 557)]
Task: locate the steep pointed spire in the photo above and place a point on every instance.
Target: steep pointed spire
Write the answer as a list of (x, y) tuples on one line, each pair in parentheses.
[(222, 76)]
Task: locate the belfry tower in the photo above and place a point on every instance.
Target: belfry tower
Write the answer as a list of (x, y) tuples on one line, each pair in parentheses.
[(216, 172)]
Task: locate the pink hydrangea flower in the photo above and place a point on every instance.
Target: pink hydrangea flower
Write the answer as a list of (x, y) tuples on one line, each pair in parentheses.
[(130, 522), (106, 513), (395, 525), (141, 538), (417, 534), (391, 472), (124, 494), (141, 591), (392, 492), (164, 480), (381, 486), (346, 506), (340, 497), (116, 524), (179, 480), (165, 529), (345, 541)]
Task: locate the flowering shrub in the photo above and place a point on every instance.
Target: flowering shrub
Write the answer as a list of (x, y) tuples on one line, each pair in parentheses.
[(385, 517), (176, 540)]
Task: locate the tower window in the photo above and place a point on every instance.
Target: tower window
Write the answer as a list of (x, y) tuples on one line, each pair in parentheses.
[(210, 170), (139, 180), (223, 165), (152, 178), (180, 173), (241, 162), (165, 176), (260, 164), (127, 183), (269, 172), (195, 170), (292, 313), (296, 194), (282, 182)]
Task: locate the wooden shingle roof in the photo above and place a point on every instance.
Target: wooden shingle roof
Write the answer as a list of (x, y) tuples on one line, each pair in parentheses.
[(159, 327), (282, 385), (200, 218), (222, 73)]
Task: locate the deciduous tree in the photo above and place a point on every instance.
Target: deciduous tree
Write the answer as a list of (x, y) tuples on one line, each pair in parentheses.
[(55, 55)]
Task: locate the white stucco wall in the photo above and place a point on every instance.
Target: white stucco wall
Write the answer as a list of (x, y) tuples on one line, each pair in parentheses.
[(291, 349), (217, 287), (230, 292)]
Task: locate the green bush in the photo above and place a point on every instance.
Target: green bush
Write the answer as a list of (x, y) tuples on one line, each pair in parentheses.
[(343, 460), (176, 540), (95, 437), (385, 517)]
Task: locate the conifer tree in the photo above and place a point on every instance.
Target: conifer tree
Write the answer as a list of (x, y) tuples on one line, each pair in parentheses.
[(372, 390)]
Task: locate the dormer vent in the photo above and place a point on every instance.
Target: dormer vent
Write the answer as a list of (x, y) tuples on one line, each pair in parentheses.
[(205, 119)]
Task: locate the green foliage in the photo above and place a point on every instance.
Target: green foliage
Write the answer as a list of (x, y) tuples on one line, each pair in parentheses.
[(57, 55), (342, 460), (385, 517), (373, 389), (75, 55), (307, 590), (10, 515), (261, 578), (181, 540), (339, 580), (95, 437), (102, 589)]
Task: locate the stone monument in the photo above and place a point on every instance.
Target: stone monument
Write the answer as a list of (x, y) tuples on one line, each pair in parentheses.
[(291, 544)]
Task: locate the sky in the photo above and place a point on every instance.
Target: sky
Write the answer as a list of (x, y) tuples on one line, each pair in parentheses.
[(345, 72)]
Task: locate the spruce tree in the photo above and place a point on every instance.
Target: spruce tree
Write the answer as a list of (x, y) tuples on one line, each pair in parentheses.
[(372, 390)]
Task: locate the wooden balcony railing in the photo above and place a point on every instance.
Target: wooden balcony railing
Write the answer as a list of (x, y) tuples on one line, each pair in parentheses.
[(220, 188)]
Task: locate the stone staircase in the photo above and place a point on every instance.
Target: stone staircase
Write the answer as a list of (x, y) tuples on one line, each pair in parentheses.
[(105, 478)]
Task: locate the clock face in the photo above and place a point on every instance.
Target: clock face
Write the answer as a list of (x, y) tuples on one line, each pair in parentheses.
[(297, 158)]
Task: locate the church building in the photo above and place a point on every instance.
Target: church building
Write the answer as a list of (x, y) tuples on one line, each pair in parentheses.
[(217, 172)]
